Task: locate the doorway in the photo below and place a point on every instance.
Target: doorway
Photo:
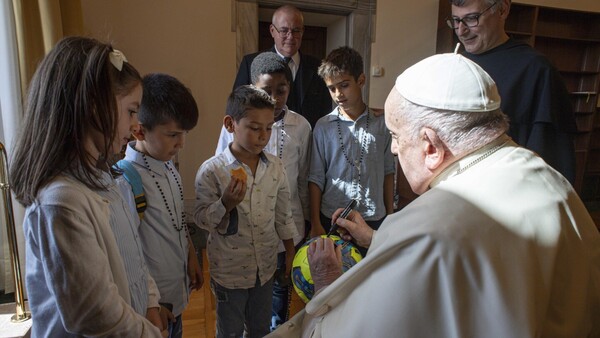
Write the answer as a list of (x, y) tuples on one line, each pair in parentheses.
[(347, 24)]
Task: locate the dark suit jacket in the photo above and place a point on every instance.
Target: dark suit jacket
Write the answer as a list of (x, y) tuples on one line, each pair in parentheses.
[(308, 97)]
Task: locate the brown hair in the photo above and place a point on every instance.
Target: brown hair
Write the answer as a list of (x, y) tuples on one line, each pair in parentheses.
[(71, 95), (247, 97), (166, 99), (342, 60)]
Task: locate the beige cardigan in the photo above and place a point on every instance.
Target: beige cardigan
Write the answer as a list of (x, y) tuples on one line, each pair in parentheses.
[(75, 276)]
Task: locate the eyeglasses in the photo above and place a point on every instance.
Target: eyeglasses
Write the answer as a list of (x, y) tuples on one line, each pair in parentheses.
[(284, 31), (471, 20)]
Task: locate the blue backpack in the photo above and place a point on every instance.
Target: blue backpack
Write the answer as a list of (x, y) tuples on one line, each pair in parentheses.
[(135, 181)]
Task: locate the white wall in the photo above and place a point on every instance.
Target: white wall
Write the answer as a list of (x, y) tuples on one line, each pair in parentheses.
[(336, 33)]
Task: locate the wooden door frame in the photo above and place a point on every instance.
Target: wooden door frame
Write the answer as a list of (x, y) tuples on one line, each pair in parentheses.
[(360, 27)]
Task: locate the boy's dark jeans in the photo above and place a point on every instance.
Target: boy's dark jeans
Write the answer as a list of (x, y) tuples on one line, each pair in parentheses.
[(281, 294), (282, 291)]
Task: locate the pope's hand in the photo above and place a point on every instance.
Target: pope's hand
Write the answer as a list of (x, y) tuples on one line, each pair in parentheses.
[(325, 262), (354, 227)]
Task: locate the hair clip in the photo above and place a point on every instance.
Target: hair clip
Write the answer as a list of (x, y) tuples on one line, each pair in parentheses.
[(117, 58)]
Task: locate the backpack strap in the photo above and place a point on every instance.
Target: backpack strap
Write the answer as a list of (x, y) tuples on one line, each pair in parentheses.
[(135, 181)]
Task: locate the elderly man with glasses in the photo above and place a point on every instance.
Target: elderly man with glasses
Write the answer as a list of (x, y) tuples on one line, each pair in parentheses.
[(533, 93), (308, 94)]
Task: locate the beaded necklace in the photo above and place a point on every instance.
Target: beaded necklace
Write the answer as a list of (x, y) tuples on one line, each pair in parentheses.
[(357, 163), (282, 133), (162, 194)]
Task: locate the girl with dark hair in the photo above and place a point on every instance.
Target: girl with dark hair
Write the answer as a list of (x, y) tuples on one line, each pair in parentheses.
[(80, 106)]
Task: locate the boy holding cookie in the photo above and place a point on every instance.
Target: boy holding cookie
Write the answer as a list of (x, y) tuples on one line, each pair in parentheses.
[(246, 216), (290, 140)]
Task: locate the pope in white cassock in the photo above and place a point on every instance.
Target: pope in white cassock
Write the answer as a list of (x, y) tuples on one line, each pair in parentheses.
[(498, 244)]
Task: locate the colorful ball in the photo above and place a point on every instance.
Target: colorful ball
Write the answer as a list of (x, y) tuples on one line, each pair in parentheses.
[(301, 278)]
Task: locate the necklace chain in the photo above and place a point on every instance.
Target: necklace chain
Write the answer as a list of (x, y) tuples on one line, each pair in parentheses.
[(172, 213), (480, 158), (363, 145)]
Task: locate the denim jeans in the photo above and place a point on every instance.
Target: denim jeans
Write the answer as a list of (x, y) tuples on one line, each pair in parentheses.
[(240, 310), (281, 293)]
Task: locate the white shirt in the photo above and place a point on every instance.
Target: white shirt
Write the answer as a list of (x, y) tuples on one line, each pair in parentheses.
[(294, 63), (165, 248), (504, 249), (291, 138), (264, 218), (125, 223)]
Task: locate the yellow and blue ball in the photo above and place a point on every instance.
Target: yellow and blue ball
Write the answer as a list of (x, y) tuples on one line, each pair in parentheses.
[(301, 277)]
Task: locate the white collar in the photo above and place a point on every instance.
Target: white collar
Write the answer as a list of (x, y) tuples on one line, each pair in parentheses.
[(471, 159), (295, 57)]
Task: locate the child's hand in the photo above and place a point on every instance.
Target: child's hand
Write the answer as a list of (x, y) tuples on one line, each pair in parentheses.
[(234, 193), (166, 317), (153, 316), (160, 317), (194, 271)]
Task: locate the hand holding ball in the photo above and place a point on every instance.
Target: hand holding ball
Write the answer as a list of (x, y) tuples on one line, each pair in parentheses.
[(301, 276)]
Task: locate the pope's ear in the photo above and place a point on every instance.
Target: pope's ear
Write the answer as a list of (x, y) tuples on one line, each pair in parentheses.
[(139, 132), (433, 149)]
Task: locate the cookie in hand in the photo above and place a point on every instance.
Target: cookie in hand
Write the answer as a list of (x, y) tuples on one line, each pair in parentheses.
[(239, 173)]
